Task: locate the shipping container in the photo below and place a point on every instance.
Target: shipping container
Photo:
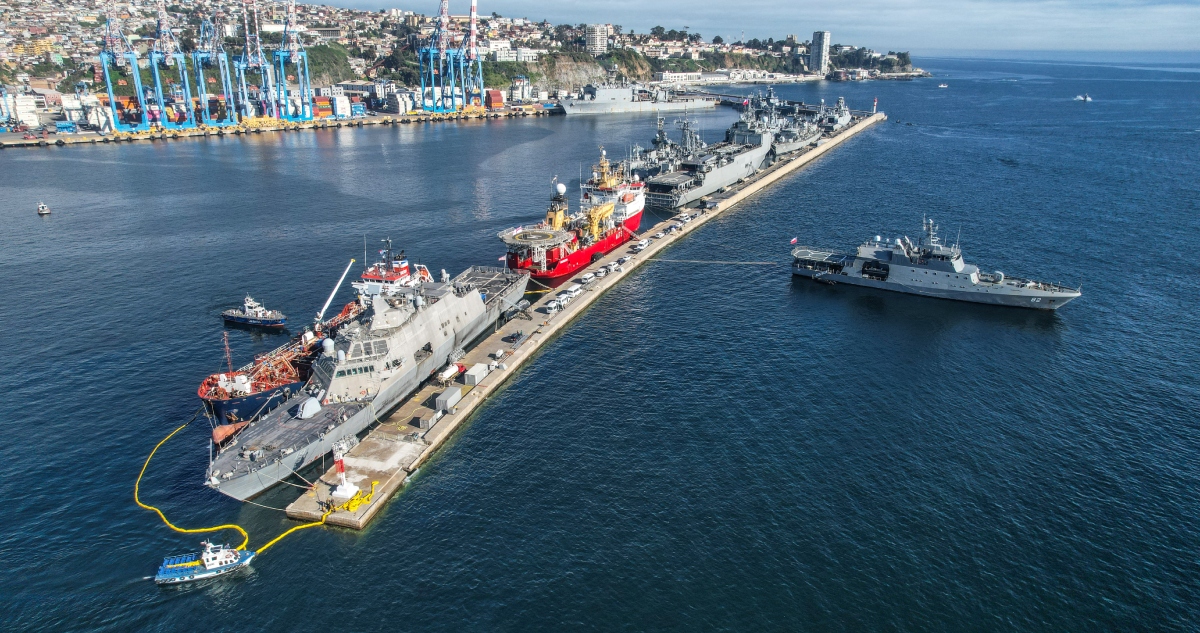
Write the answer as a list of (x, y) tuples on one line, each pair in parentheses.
[(475, 374), (450, 397)]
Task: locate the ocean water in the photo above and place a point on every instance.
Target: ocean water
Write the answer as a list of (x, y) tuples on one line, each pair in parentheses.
[(710, 446)]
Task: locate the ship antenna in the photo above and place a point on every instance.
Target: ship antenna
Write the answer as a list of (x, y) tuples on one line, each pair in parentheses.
[(228, 356)]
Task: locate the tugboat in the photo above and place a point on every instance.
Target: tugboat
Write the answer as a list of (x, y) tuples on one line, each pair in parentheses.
[(43, 209), (212, 561), (255, 315), (611, 204)]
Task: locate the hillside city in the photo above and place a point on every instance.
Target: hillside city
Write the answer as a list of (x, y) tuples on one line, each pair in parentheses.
[(43, 44)]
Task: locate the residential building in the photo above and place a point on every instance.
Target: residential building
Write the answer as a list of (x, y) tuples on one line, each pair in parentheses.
[(596, 36), (818, 53)]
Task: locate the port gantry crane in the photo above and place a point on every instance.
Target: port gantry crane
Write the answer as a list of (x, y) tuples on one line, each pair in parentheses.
[(253, 60), (115, 54), (291, 52), (164, 54), (442, 67), (210, 55)]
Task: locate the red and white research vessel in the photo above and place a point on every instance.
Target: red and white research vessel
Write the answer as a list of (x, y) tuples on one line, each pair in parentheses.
[(611, 205)]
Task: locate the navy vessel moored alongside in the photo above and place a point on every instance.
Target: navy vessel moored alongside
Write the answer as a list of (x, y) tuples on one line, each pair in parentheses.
[(928, 268), (404, 335)]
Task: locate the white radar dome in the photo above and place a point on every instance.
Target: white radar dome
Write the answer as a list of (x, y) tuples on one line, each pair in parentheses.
[(561, 189), (603, 153)]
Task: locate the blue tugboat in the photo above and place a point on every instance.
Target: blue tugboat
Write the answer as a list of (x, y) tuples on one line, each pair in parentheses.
[(255, 315), (215, 560)]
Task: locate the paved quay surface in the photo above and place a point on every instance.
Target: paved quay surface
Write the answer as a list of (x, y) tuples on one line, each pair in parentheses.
[(396, 448)]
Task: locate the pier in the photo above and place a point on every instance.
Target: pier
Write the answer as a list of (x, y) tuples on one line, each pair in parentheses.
[(396, 448)]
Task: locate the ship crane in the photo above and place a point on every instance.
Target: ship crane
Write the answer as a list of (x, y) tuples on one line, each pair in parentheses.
[(254, 60), (291, 53), (210, 54), (165, 54), (118, 57)]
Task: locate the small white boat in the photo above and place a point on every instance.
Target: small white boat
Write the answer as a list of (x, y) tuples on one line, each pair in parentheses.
[(1083, 97), (43, 209), (943, 86)]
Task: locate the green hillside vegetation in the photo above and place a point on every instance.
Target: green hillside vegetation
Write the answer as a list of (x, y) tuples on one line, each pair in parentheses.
[(329, 64)]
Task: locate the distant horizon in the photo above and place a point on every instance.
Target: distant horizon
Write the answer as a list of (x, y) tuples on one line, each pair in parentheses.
[(994, 25)]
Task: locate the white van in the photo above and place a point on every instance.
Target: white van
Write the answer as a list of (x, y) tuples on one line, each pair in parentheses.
[(587, 279), (553, 306), (571, 292), (641, 246), (602, 272)]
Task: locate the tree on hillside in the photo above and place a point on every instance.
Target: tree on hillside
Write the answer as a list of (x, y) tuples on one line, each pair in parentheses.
[(658, 31), (718, 40)]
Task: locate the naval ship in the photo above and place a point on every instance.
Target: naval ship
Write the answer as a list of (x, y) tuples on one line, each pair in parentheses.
[(745, 150), (613, 98), (929, 268), (404, 334)]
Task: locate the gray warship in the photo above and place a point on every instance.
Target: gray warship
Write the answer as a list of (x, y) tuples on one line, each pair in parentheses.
[(405, 333), (614, 98), (666, 154), (832, 119), (706, 169), (792, 131), (928, 268)]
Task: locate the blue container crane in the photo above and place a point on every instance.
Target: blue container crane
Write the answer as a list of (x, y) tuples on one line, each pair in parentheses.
[(117, 52), (451, 77), (210, 53), (254, 99), (441, 67), (163, 55), (291, 53)]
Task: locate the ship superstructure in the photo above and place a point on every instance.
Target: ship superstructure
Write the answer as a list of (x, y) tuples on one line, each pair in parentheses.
[(745, 150), (238, 397), (400, 338), (611, 205), (929, 268)]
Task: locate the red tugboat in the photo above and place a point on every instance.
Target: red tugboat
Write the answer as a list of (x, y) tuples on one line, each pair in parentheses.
[(611, 212), (236, 398)]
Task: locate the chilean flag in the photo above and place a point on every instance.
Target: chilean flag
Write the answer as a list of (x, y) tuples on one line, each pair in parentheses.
[(503, 257), (795, 239)]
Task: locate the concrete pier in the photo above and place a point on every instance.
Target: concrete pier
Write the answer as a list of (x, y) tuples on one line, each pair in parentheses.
[(397, 447)]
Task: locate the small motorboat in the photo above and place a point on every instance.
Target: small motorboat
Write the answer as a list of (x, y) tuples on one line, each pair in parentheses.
[(255, 315), (943, 86), (43, 209), (1083, 97), (212, 561)]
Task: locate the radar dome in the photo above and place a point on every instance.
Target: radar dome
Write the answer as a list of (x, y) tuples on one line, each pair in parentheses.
[(878, 238), (603, 153), (561, 189)]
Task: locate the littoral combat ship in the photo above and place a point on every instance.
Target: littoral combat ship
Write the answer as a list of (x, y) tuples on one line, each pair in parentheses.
[(404, 334), (929, 268)]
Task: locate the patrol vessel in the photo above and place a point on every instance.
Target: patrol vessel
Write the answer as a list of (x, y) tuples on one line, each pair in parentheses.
[(404, 334), (929, 268)]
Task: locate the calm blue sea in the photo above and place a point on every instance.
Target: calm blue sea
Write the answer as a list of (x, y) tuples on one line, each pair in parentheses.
[(710, 446)]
